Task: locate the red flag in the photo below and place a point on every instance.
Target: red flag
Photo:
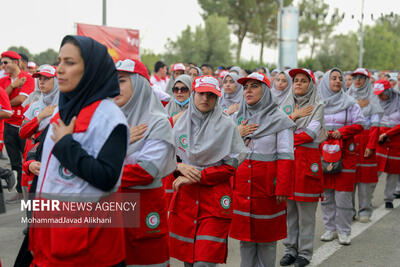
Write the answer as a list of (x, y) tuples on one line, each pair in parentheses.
[(121, 43)]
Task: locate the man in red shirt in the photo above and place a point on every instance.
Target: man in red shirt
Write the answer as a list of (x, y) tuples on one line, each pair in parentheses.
[(18, 85)]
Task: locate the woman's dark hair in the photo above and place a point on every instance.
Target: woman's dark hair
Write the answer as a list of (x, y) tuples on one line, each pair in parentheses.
[(337, 71)]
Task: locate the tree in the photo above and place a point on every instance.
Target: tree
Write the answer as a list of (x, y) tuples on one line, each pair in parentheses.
[(340, 51), (241, 16), (149, 58), (184, 49), (264, 29), (47, 57), (216, 48), (315, 25), (208, 44), (382, 44)]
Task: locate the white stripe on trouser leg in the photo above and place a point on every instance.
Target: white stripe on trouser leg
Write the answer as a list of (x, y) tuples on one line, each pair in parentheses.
[(390, 187), (344, 211), (301, 228), (257, 254), (328, 208), (365, 191)]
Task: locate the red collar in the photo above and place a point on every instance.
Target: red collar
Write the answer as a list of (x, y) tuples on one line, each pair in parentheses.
[(83, 119), (159, 79)]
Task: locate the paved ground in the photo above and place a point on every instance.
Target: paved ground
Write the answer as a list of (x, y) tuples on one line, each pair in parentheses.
[(374, 244)]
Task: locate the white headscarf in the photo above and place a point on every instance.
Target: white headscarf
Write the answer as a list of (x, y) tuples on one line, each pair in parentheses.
[(204, 139), (174, 108), (144, 107), (366, 92), (280, 95), (267, 73), (311, 98), (392, 104), (34, 96), (318, 74), (334, 102), (236, 69), (266, 114), (277, 71), (226, 99), (44, 100)]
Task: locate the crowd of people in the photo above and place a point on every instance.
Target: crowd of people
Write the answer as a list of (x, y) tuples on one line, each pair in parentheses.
[(212, 155)]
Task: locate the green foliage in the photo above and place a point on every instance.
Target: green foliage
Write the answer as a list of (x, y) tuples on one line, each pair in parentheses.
[(315, 25), (208, 44), (47, 57), (340, 51), (149, 58), (264, 29), (254, 64), (382, 44), (241, 16)]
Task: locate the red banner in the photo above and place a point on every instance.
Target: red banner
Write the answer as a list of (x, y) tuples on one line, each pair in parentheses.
[(121, 43)]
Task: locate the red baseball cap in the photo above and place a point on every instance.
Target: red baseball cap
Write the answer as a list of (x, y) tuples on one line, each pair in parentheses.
[(222, 74), (206, 83), (256, 77), (361, 71), (31, 64), (305, 71), (11, 54), (133, 66), (45, 70), (178, 66), (380, 86)]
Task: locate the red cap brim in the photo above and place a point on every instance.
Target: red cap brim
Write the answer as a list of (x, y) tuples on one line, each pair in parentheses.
[(293, 73), (46, 74), (378, 92), (243, 80), (203, 89)]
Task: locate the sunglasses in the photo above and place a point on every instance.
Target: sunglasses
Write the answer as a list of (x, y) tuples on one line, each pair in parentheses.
[(358, 77), (4, 62), (182, 89)]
